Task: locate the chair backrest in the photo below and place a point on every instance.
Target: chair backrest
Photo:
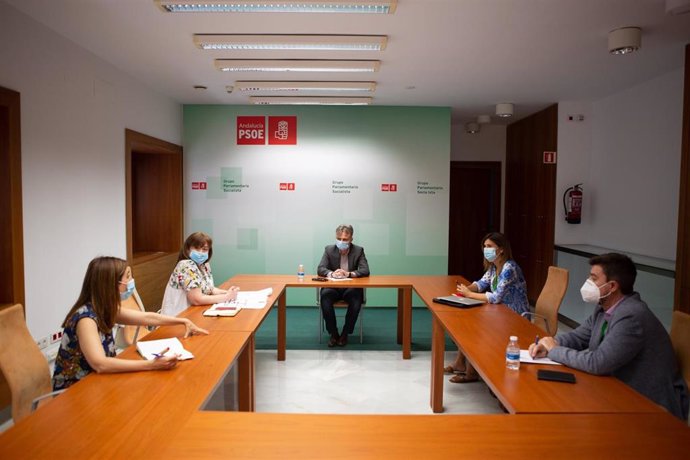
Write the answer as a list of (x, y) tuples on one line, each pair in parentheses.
[(551, 296), (127, 335), (21, 361), (680, 337)]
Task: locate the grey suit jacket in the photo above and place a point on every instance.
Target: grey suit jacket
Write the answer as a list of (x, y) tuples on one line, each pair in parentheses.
[(356, 261), (636, 349)]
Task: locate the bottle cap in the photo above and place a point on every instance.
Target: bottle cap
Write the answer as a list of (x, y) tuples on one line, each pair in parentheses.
[(513, 338)]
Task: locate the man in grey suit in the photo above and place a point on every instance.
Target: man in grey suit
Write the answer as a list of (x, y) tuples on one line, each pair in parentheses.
[(342, 260), (621, 338)]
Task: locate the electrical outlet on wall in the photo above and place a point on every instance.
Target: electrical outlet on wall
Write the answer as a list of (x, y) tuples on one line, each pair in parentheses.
[(55, 336), (43, 342)]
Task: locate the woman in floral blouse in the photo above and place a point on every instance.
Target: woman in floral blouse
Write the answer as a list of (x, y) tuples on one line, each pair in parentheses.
[(502, 283), (191, 283), (87, 341)]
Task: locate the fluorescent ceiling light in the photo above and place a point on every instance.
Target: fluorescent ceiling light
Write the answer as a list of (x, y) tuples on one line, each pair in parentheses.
[(309, 100), (305, 86), (296, 65), (291, 42), (274, 6)]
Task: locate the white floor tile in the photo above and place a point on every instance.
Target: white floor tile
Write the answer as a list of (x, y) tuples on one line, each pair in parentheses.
[(359, 382)]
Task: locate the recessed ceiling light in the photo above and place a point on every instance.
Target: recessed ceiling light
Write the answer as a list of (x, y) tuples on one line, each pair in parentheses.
[(472, 128), (309, 100), (239, 42), (296, 65), (304, 86), (274, 6)]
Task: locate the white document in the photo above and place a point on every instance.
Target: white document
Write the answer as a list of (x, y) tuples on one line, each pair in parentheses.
[(164, 347), (248, 299), (339, 279), (526, 358)]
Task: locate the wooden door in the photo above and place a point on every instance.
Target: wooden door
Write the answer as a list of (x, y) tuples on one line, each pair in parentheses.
[(11, 222), (475, 210), (531, 195), (682, 285), (154, 212)]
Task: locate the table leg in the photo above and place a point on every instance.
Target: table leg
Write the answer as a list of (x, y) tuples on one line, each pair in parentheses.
[(282, 302), (246, 377), (438, 345), (401, 303), (407, 322)]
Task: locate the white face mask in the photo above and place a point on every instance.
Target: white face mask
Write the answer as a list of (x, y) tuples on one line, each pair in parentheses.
[(591, 293)]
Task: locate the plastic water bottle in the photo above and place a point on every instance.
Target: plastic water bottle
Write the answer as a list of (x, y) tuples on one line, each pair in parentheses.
[(513, 354), (300, 272)]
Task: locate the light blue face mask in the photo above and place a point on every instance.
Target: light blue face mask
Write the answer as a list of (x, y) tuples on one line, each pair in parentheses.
[(130, 289), (490, 254), (342, 245), (198, 257)]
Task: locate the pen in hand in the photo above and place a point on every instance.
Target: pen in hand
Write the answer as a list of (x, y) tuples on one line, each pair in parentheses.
[(533, 350), (162, 353)]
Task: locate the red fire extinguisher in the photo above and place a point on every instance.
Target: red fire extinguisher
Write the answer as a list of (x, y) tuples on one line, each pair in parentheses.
[(572, 204)]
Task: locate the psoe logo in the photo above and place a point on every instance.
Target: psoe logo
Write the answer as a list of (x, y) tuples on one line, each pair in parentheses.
[(282, 130), (251, 130)]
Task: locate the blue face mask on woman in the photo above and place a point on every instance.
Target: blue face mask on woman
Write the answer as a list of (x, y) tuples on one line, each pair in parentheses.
[(490, 254), (130, 289), (198, 257)]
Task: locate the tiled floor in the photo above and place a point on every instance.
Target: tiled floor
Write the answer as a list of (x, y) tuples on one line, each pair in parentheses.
[(341, 381)]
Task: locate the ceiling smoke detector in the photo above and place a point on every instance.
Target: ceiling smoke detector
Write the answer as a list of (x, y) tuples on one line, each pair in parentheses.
[(625, 40), (504, 109)]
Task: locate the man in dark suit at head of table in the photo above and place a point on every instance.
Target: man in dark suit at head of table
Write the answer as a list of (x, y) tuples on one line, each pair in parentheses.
[(342, 260)]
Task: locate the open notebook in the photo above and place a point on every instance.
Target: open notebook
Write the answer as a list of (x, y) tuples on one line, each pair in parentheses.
[(150, 348)]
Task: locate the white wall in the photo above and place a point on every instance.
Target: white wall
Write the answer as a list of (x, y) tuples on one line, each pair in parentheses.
[(574, 150), (627, 152), (487, 145), (74, 110)]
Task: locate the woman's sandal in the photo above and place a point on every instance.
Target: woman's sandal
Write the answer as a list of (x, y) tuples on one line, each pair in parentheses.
[(452, 370), (464, 378)]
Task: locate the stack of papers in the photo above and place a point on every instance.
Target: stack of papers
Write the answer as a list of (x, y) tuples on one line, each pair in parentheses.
[(152, 349), (246, 299)]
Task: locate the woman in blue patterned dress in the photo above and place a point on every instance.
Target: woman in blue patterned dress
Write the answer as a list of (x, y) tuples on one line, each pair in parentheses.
[(502, 283), (191, 282), (87, 341)]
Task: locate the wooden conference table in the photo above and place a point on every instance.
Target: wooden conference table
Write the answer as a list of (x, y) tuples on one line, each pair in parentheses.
[(158, 414), (482, 334), (403, 283)]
